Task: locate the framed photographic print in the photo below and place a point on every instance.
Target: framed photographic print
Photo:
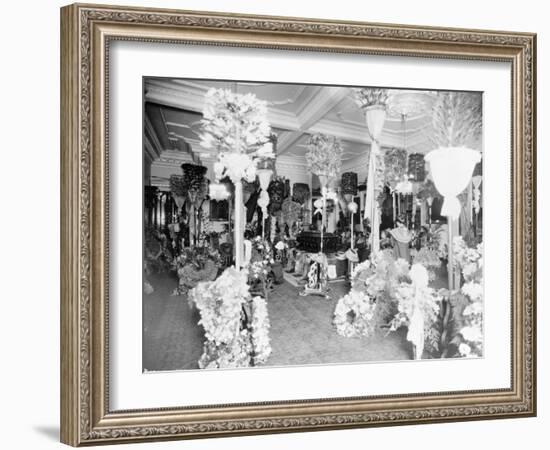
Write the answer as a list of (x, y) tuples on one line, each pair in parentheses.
[(277, 224)]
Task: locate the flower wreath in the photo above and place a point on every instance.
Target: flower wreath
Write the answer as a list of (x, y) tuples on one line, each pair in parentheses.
[(353, 315)]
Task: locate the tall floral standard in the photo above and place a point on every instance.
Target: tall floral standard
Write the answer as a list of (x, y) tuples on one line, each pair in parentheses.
[(236, 126), (456, 124), (324, 159), (373, 102), (395, 174)]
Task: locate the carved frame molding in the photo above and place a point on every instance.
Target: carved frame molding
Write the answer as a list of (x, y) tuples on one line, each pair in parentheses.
[(86, 31)]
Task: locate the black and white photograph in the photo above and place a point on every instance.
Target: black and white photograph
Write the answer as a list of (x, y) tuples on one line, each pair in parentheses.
[(293, 224)]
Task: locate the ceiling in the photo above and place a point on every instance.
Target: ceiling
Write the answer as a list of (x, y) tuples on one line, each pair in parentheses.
[(173, 112)]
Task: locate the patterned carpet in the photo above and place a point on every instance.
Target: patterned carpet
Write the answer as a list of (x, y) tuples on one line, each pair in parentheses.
[(301, 331)]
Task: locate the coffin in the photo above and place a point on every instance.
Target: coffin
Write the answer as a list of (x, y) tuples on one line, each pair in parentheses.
[(310, 241)]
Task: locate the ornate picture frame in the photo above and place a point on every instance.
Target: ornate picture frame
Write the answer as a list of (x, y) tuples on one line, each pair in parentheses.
[(86, 34)]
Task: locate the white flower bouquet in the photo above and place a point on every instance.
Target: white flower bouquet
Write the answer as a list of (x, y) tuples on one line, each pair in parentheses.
[(236, 126)]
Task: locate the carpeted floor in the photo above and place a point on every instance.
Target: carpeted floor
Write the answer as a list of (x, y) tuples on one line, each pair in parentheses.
[(301, 331)]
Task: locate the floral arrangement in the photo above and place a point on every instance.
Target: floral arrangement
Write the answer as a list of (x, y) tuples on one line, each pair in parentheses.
[(227, 356), (472, 332), (348, 183), (439, 241), (476, 183), (300, 192), (236, 325), (470, 262), (427, 190), (324, 156), (354, 313), (193, 177), (193, 265), (371, 301), (220, 304), (178, 186), (395, 166), (234, 122), (379, 277), (456, 119), (261, 260), (291, 211), (317, 274), (276, 191), (429, 258), (236, 125), (417, 308), (158, 252), (365, 97), (417, 167), (379, 177), (259, 330), (388, 290)]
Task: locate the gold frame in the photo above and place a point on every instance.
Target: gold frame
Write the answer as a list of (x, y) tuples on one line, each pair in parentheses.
[(86, 31)]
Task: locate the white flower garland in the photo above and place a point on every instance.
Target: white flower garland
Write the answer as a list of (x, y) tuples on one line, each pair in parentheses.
[(220, 304), (260, 331)]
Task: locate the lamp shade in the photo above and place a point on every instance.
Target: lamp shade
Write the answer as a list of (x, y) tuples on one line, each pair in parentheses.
[(451, 169)]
